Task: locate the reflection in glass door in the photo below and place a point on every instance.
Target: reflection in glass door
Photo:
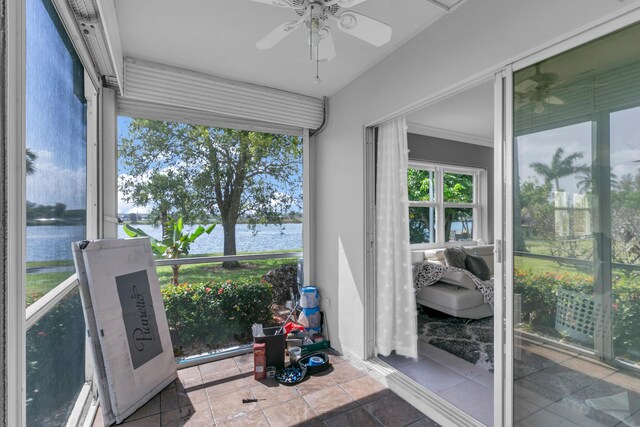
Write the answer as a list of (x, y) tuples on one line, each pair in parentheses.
[(576, 236)]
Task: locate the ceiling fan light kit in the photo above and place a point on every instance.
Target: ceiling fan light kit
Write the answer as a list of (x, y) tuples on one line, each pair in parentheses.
[(314, 14)]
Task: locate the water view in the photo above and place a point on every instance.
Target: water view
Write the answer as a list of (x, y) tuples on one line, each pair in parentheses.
[(52, 242)]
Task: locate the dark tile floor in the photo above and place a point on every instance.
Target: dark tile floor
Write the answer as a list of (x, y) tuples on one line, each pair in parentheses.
[(211, 395), (558, 387)]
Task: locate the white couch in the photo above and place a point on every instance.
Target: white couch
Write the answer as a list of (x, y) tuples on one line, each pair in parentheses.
[(455, 294)]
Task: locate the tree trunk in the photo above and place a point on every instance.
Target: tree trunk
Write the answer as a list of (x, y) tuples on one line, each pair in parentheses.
[(229, 228), (174, 280)]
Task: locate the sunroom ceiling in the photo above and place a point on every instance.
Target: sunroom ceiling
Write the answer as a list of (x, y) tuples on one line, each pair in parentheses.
[(218, 37)]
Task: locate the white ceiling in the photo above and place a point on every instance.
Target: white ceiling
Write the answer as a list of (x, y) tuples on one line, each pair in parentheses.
[(466, 116), (218, 37)]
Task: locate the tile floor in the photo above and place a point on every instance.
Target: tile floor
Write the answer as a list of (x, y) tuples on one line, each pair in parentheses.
[(552, 387), (211, 395), (451, 378), (557, 387)]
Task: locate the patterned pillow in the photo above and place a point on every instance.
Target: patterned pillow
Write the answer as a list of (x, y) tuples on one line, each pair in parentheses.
[(455, 256), (478, 266)]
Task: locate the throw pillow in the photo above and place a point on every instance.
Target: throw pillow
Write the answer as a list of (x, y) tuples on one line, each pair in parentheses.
[(454, 257), (478, 266)]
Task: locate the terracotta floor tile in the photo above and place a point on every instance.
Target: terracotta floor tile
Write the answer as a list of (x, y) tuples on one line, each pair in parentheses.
[(270, 382), (245, 361), (169, 399), (171, 418), (625, 380), (253, 419), (196, 415), (152, 421), (192, 394), (216, 367), (392, 411), (315, 383), (365, 389), (152, 407), (225, 382), (589, 366), (294, 412), (272, 395), (230, 406), (190, 375), (355, 417), (343, 372), (330, 402)]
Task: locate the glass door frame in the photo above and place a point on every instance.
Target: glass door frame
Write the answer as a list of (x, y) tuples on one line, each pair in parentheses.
[(503, 208)]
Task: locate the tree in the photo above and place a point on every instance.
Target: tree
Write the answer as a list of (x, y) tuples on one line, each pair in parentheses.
[(536, 211), (31, 160), (174, 243), (148, 158), (559, 167), (224, 173)]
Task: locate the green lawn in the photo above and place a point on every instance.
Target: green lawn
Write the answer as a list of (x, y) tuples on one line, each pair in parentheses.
[(39, 284), (201, 273), (537, 265)]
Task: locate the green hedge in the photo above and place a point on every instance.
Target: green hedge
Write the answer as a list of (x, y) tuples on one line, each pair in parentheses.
[(539, 295), (213, 315)]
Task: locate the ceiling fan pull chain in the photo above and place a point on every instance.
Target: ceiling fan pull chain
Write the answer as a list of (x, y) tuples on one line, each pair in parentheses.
[(317, 79)]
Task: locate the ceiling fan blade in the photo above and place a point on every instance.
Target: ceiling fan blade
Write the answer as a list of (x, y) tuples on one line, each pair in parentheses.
[(326, 48), (553, 100), (368, 29), (279, 3), (275, 36), (344, 3), (525, 86)]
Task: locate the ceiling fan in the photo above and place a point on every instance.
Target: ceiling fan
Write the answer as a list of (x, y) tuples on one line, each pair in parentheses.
[(536, 89), (315, 15)]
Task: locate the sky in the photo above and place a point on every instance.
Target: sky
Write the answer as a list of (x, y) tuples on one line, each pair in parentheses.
[(55, 113), (625, 147)]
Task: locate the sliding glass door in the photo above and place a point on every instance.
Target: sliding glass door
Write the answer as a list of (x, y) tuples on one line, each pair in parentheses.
[(576, 236)]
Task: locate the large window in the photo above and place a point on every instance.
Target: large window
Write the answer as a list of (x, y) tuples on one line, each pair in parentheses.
[(249, 185), (444, 204), (56, 152)]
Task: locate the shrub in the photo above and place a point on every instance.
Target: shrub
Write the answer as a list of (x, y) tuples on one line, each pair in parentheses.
[(216, 314), (539, 296), (283, 279)]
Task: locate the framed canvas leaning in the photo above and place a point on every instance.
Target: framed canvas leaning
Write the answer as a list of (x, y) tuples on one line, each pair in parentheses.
[(126, 323)]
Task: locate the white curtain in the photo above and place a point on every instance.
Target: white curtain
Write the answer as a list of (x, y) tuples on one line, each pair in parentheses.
[(396, 324)]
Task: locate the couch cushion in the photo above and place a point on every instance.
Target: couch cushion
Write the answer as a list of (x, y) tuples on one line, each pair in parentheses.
[(451, 296), (458, 278)]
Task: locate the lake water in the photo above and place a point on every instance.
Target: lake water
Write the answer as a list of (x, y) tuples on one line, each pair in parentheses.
[(52, 242)]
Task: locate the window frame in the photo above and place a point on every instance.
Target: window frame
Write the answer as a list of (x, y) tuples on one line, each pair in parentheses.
[(479, 204)]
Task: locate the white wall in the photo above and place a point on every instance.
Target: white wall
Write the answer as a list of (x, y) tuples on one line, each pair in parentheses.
[(476, 38)]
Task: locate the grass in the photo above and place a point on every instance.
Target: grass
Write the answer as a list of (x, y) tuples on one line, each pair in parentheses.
[(536, 265), (202, 273), (39, 284)]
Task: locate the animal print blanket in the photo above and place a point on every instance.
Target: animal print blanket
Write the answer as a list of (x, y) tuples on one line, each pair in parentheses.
[(429, 273)]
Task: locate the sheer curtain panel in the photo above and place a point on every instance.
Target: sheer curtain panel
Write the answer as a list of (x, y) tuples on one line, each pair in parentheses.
[(395, 299)]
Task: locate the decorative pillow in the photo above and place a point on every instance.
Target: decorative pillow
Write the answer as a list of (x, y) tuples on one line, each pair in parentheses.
[(478, 266), (454, 257)]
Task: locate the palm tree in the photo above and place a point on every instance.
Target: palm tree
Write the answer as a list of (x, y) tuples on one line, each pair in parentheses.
[(559, 167), (585, 185), (31, 159)]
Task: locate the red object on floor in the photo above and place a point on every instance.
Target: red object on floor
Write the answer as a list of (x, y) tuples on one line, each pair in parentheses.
[(290, 326), (259, 361)]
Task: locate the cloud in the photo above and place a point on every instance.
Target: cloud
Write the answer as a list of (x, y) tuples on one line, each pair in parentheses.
[(52, 183)]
